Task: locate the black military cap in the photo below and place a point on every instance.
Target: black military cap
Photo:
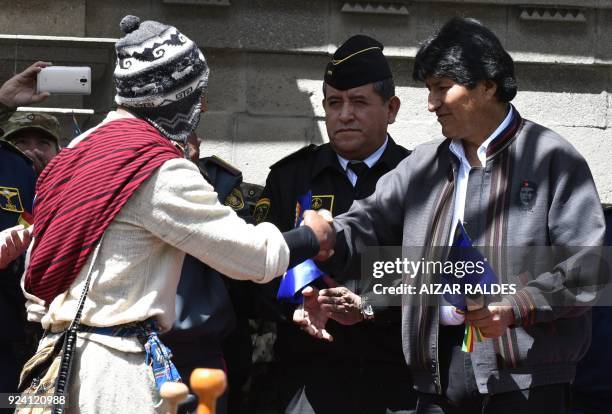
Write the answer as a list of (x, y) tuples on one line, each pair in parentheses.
[(357, 62)]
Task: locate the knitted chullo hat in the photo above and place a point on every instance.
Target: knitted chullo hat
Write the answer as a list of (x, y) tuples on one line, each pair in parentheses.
[(160, 76)]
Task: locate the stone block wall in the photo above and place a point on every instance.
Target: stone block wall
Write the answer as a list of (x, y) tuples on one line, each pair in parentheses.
[(267, 59)]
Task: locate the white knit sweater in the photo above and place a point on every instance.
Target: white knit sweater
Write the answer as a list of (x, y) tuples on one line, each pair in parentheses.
[(137, 269)]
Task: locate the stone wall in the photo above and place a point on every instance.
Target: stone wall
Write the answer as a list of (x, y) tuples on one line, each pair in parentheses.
[(267, 59)]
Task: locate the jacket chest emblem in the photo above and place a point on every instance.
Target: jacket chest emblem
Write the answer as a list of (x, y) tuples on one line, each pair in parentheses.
[(325, 201), (527, 195)]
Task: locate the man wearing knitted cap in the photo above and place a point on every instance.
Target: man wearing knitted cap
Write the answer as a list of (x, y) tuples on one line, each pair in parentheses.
[(115, 214), (360, 368)]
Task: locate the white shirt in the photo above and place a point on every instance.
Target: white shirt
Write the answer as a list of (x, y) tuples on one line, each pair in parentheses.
[(463, 174), (447, 314), (136, 272), (370, 161)]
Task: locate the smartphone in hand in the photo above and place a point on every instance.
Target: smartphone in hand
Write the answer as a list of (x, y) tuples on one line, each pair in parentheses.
[(68, 80)]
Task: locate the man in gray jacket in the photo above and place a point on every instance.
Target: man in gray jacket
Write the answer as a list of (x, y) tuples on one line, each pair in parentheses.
[(510, 182)]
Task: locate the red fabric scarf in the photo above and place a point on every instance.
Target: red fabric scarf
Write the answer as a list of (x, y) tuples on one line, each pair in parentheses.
[(79, 194)]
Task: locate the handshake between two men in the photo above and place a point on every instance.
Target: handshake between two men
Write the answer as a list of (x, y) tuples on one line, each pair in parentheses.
[(336, 302), (347, 308)]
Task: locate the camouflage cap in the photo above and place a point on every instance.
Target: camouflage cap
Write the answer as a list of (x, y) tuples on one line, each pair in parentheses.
[(20, 121)]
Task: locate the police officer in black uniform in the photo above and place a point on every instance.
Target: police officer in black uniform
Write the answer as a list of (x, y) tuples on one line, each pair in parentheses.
[(17, 181), (363, 370)]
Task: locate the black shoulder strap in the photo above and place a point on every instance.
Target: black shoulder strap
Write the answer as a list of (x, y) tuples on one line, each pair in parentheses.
[(223, 176), (218, 162), (295, 155), (70, 340)]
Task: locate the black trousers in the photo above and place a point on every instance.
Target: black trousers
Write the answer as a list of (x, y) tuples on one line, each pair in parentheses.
[(548, 399), (460, 392), (326, 385)]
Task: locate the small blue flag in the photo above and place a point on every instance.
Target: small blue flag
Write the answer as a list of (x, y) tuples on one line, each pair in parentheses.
[(300, 276), (462, 250)]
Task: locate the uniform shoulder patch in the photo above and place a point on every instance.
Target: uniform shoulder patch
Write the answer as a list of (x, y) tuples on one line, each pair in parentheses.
[(235, 199), (223, 164), (262, 208), (10, 200), (296, 155)]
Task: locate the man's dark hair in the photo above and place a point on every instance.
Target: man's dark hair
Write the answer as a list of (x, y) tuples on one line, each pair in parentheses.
[(467, 52), (384, 88)]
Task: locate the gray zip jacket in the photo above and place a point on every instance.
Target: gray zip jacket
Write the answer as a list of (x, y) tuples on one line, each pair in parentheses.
[(412, 206)]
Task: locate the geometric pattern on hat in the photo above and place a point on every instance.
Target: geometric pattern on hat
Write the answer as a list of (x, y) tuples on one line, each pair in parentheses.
[(160, 76), (175, 120), (161, 70)]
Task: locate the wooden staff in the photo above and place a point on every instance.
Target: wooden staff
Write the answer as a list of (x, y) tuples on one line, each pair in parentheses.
[(173, 393), (208, 384)]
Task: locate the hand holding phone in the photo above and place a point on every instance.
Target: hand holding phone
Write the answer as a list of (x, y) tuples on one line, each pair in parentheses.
[(69, 80), (20, 90)]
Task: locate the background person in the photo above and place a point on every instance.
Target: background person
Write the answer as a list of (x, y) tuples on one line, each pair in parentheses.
[(36, 134), (17, 181)]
